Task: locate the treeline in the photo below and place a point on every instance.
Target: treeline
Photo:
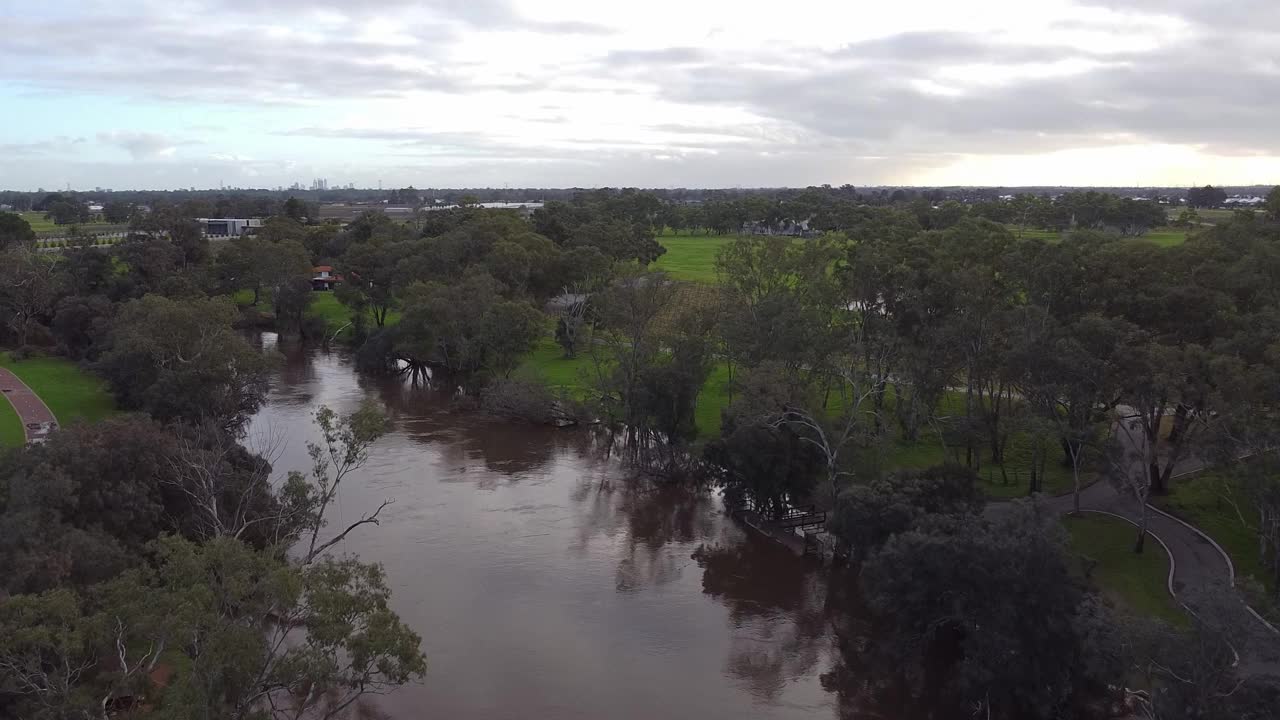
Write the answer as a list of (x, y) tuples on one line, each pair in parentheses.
[(892, 328), (1091, 349), (154, 563)]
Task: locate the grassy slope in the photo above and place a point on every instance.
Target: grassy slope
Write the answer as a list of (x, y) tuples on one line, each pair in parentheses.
[(11, 432), (71, 393), (1137, 582), (1200, 500)]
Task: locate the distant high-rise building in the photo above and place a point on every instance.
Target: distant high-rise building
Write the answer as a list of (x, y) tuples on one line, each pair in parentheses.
[(320, 184)]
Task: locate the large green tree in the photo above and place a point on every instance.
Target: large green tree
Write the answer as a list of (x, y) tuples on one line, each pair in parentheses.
[(181, 360), (237, 633), (467, 328), (942, 592), (15, 230)]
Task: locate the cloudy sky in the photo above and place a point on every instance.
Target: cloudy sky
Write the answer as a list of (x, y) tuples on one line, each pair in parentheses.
[(659, 93)]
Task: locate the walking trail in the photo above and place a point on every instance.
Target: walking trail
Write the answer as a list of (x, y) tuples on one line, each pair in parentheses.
[(37, 419), (1199, 566)]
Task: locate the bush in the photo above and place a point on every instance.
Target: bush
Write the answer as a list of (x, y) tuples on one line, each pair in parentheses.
[(531, 402)]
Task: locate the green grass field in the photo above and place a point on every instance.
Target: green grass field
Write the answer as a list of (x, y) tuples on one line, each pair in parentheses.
[(691, 257), (1034, 234), (1205, 500), (71, 393), (11, 432), (37, 221), (548, 365), (1164, 237), (1135, 582), (43, 226), (335, 315)]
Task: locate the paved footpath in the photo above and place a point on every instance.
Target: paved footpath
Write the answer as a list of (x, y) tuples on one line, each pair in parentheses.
[(1198, 564), (37, 419)]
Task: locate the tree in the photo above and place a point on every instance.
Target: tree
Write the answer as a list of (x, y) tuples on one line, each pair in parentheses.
[(181, 360), (14, 230), (765, 465), (1206, 197), (1273, 203), (618, 240), (867, 514), (252, 636), (117, 212), (67, 212), (287, 274), (1069, 375), (940, 593), (370, 270), (1194, 672), (468, 329), (1188, 218), (652, 362), (296, 209), (346, 448), (28, 286), (80, 324)]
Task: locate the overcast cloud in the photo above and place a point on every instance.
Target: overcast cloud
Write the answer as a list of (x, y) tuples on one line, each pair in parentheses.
[(661, 93)]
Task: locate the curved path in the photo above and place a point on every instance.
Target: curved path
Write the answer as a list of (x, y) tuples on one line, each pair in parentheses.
[(1197, 564), (37, 419)]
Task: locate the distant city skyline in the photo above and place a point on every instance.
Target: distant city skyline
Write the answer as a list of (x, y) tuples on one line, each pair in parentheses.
[(143, 94)]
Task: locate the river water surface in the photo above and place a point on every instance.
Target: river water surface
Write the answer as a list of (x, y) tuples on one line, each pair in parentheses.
[(544, 581)]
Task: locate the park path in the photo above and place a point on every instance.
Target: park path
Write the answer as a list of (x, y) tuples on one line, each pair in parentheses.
[(37, 419), (1199, 566)]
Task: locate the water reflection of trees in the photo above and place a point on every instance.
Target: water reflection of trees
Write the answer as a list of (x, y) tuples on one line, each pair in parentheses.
[(778, 608), (655, 523), (462, 436)]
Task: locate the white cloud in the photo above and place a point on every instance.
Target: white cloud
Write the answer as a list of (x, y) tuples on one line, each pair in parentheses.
[(142, 145), (724, 91)]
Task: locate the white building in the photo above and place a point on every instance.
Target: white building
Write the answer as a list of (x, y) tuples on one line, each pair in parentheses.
[(229, 227)]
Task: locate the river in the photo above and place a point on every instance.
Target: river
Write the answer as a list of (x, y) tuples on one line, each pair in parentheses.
[(545, 582)]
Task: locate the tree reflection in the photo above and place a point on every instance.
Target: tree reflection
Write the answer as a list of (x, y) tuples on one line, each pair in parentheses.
[(655, 523), (777, 608)]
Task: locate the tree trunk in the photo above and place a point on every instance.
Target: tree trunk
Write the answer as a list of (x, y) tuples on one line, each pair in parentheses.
[(1142, 528), (1068, 451), (1157, 478), (1179, 423), (1075, 477)]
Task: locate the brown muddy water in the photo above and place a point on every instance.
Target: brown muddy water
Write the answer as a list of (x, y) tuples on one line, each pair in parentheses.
[(546, 582)]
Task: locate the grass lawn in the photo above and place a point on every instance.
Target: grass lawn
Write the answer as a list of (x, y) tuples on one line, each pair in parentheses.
[(1165, 236), (37, 221), (327, 306), (548, 365), (1201, 500), (39, 224), (1034, 234), (1162, 236), (11, 432), (71, 393), (691, 257), (1135, 582)]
